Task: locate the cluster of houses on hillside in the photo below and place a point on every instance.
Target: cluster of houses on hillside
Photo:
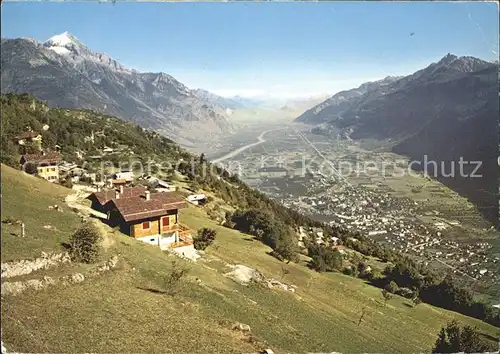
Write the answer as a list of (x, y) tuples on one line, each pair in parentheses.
[(50, 165), (143, 207)]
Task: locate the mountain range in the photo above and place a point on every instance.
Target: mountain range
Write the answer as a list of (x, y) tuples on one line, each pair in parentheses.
[(225, 102), (444, 112), (64, 72)]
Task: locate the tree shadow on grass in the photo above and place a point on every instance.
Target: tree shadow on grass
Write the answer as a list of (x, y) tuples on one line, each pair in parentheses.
[(66, 246), (489, 336), (151, 290)]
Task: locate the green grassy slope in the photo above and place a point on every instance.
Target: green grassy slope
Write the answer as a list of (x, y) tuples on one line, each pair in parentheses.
[(120, 311), (27, 198)]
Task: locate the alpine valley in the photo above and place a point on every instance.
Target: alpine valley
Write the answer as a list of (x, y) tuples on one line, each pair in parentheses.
[(444, 112)]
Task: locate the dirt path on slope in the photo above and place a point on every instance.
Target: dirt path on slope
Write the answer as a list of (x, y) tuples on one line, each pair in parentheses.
[(76, 201)]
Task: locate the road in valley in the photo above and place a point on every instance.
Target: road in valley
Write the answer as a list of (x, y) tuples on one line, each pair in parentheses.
[(260, 140), (330, 163)]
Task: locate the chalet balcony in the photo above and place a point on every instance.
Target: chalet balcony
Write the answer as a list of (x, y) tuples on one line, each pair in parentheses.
[(181, 229), (182, 242), (181, 235)]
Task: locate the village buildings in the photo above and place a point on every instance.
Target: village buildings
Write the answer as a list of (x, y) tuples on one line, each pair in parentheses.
[(30, 139), (47, 164)]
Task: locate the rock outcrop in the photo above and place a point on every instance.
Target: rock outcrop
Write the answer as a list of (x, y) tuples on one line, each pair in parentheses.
[(17, 287), (24, 267), (245, 275)]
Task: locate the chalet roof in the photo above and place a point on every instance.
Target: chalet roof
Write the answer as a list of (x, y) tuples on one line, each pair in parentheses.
[(132, 203), (137, 208), (28, 135), (49, 157), (107, 195)]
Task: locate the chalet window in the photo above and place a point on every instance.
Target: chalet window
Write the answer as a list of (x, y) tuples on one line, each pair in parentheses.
[(146, 225), (165, 221)]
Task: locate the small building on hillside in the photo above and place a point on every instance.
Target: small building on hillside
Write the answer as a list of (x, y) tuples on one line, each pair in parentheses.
[(28, 137), (77, 171), (197, 199), (160, 185), (273, 172), (65, 168), (149, 217), (46, 164), (124, 175), (115, 183)]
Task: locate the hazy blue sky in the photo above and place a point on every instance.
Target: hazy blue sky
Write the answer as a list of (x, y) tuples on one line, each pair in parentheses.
[(280, 48)]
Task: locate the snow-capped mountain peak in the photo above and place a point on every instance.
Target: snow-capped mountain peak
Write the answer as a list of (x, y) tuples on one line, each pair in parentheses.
[(69, 47), (64, 43), (61, 40)]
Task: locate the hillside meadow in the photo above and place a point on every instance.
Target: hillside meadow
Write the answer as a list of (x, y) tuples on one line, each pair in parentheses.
[(126, 309)]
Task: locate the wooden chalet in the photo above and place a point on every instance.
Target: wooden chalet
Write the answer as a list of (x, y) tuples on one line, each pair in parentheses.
[(150, 217)]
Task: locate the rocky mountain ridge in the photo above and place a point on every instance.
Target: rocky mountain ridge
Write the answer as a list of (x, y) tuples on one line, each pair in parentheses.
[(66, 73)]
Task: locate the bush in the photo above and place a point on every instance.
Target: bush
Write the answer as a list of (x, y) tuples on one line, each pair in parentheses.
[(386, 295), (204, 238), (9, 220), (405, 292), (350, 271), (453, 339), (362, 268), (85, 244), (392, 287), (173, 281), (261, 224), (375, 276), (324, 258), (286, 249), (67, 182), (228, 222), (318, 263), (30, 168)]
